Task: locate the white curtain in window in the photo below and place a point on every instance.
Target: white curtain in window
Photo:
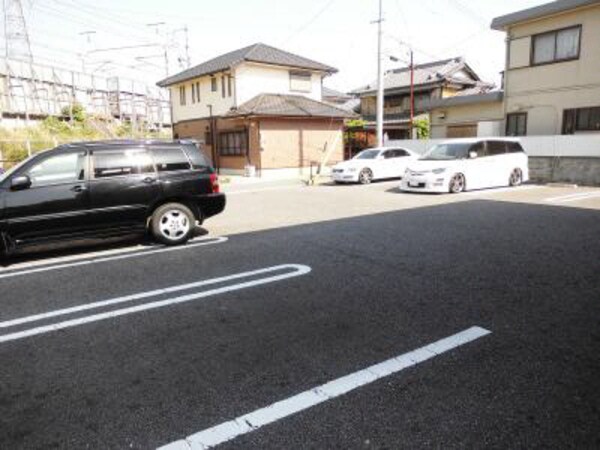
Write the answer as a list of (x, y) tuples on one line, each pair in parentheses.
[(567, 43), (544, 48)]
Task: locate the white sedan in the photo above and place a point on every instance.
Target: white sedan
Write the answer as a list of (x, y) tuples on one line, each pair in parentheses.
[(373, 164)]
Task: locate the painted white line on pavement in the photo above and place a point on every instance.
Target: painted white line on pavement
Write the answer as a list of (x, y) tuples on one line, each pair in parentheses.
[(501, 190), (138, 296), (93, 254), (274, 188), (328, 391), (573, 197), (296, 271), (8, 273)]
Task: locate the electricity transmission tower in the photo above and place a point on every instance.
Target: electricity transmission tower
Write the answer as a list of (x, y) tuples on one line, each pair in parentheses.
[(15, 32), (22, 86)]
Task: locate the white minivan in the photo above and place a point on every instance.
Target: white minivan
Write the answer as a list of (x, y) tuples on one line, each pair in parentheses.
[(460, 164)]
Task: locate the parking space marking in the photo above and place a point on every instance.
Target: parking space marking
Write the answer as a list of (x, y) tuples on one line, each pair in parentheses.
[(292, 271), (328, 391), (273, 188), (501, 190), (573, 197), (124, 254)]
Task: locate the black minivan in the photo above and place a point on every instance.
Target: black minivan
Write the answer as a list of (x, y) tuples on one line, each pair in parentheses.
[(105, 189)]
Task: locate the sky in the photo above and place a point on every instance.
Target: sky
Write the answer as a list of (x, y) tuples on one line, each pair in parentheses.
[(339, 33)]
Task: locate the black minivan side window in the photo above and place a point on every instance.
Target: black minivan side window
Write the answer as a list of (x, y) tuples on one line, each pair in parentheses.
[(58, 169), (115, 163), (199, 161), (170, 158)]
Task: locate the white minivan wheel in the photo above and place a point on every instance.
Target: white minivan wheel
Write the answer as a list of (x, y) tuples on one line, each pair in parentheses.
[(457, 183), (516, 178)]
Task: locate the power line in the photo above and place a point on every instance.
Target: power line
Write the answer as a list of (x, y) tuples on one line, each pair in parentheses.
[(309, 22)]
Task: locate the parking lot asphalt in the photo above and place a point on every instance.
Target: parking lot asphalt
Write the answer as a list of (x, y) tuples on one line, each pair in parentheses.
[(140, 347)]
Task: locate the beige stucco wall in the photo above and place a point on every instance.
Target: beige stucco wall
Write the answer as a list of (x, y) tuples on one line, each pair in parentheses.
[(464, 115), (253, 79), (290, 143), (191, 110), (545, 91), (248, 81)]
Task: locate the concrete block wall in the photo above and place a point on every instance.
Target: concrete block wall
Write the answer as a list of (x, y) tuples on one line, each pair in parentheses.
[(578, 170)]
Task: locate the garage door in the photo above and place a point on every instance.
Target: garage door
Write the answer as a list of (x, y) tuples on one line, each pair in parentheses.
[(460, 131)]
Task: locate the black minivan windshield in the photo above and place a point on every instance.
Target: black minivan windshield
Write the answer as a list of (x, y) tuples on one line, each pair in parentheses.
[(445, 152), (6, 175)]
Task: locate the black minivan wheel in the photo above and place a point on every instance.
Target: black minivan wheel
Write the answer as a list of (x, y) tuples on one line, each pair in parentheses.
[(172, 224)]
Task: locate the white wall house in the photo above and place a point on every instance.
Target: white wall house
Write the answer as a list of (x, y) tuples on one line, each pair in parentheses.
[(258, 107), (216, 93)]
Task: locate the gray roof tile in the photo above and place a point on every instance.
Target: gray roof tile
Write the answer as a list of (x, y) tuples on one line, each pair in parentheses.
[(259, 53), (424, 74), (288, 105)]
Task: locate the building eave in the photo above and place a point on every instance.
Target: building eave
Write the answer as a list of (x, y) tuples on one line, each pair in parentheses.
[(501, 23)]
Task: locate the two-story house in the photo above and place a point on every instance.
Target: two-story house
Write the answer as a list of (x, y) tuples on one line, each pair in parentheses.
[(552, 73), (431, 81), (258, 106)]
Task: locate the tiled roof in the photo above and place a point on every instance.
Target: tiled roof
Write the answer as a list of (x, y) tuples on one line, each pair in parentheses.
[(547, 9), (469, 99), (259, 53), (424, 74), (289, 106), (328, 93)]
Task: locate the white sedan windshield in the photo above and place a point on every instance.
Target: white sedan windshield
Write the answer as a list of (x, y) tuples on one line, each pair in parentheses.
[(367, 154)]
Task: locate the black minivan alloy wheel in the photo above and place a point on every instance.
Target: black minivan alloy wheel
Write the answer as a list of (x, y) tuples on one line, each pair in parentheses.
[(457, 183), (172, 223)]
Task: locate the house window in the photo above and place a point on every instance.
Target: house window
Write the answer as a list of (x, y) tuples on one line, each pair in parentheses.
[(556, 46), (233, 143), (193, 92), (300, 81), (229, 85), (197, 91), (581, 119), (223, 86), (182, 95), (213, 84), (516, 124)]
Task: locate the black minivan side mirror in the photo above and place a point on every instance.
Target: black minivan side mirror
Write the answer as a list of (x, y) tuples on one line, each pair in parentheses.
[(20, 183)]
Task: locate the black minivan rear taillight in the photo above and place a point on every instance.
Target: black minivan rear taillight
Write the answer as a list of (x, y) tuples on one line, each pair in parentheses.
[(214, 183)]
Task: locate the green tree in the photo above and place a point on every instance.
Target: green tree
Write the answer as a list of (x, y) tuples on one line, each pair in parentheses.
[(422, 127)]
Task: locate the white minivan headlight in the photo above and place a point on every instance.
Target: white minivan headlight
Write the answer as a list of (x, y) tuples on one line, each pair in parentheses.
[(438, 171)]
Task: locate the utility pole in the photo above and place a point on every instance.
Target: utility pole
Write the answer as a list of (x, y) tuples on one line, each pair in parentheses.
[(187, 48), (156, 27), (412, 94), (380, 97), (88, 35)]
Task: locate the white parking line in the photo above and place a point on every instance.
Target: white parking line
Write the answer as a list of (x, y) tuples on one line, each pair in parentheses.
[(120, 254), (501, 190), (294, 270), (328, 391), (573, 197), (274, 188)]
